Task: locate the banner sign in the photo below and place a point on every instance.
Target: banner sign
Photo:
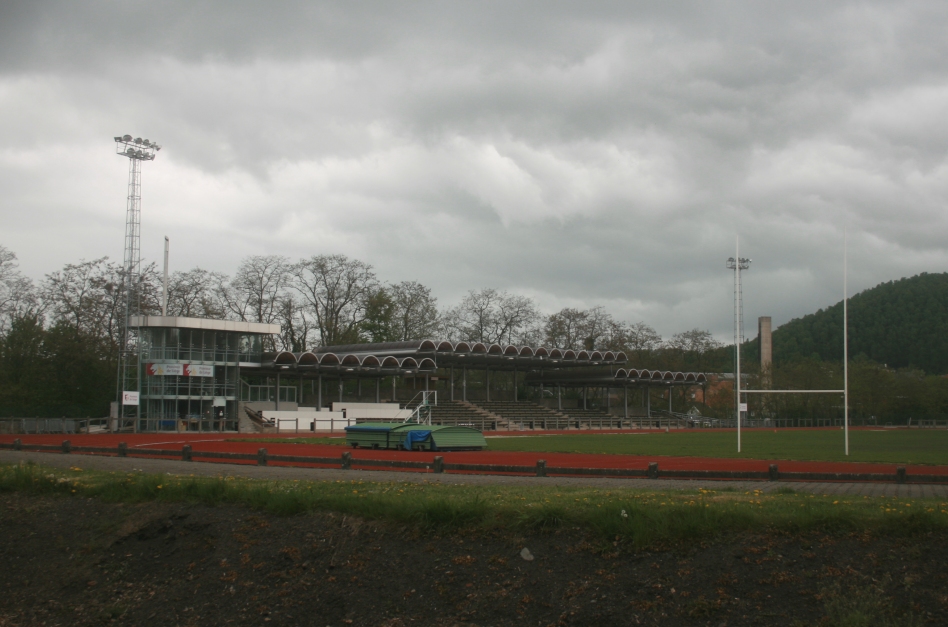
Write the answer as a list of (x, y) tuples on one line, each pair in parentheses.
[(195, 370), (129, 398), (179, 370), (165, 370), (742, 407)]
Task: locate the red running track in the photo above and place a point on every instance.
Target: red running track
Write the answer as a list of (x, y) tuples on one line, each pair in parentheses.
[(212, 442)]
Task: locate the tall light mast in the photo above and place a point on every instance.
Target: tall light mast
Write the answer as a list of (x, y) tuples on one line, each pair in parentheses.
[(738, 263), (136, 150)]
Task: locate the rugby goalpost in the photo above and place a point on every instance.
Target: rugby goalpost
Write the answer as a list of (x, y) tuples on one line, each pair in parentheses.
[(737, 264)]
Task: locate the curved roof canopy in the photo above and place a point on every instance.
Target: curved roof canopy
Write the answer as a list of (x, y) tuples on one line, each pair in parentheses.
[(617, 378), (385, 358)]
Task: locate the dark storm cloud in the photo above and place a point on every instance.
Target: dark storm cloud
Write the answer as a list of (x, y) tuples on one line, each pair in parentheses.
[(580, 153)]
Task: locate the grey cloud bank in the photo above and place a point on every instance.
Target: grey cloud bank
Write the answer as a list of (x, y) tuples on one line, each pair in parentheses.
[(603, 153)]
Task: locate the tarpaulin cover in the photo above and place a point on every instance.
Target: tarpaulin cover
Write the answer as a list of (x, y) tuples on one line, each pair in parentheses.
[(416, 436)]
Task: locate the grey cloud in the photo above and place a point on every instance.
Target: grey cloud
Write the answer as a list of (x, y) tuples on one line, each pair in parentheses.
[(584, 154)]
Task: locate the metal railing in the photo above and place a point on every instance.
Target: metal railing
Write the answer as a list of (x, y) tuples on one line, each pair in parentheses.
[(423, 402)]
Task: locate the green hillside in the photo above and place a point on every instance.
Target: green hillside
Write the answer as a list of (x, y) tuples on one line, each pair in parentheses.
[(900, 323)]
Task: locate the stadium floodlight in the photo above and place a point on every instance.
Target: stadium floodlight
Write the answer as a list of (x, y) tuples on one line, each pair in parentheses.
[(143, 150), (129, 375), (738, 263)]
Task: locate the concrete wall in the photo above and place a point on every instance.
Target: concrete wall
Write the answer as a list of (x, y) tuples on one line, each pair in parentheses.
[(309, 420), (389, 412)]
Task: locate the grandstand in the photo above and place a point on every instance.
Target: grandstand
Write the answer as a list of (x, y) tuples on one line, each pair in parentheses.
[(204, 375)]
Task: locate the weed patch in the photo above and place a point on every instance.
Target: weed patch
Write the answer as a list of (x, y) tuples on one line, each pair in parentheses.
[(636, 518)]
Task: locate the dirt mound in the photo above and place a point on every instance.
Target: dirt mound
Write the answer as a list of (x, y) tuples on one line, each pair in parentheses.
[(72, 561)]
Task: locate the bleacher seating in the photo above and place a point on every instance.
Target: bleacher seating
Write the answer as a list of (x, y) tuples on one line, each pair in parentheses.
[(591, 419), (526, 414), (464, 414)]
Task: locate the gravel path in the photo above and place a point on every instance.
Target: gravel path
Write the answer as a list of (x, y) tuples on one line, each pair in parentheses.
[(210, 469)]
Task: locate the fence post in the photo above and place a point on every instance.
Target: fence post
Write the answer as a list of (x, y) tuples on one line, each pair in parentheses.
[(67, 446), (653, 470), (438, 464), (186, 453), (541, 467), (262, 457), (347, 461), (774, 473), (122, 449), (900, 474), (17, 445)]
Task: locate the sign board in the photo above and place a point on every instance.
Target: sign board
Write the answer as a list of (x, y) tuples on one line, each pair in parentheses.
[(195, 370), (129, 398), (165, 369), (179, 370), (742, 407)]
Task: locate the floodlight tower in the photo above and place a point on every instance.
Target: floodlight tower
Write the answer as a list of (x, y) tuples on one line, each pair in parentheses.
[(738, 263), (136, 150)]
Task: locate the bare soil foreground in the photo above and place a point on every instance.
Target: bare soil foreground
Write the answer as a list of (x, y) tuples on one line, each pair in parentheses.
[(81, 561)]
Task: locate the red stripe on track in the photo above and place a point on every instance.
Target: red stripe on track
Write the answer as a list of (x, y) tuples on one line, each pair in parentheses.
[(218, 443)]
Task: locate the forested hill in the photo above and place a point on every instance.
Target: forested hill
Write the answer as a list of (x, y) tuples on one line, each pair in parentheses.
[(900, 323)]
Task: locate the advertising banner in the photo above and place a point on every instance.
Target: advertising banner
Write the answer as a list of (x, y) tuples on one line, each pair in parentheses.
[(195, 370), (129, 398), (179, 370), (168, 370)]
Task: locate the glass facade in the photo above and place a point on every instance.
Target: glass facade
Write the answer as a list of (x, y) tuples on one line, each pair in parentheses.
[(190, 377)]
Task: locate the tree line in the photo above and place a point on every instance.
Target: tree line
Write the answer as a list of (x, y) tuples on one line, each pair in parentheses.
[(325, 300), (60, 336)]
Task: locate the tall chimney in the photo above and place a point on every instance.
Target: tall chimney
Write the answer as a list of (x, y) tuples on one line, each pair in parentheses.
[(765, 346)]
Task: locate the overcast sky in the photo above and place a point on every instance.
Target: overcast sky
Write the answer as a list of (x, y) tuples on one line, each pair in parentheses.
[(582, 153)]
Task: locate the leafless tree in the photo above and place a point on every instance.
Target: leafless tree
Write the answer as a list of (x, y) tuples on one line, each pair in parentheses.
[(564, 329), (690, 347), (587, 329), (295, 327), (256, 291), (89, 297), (415, 310), (191, 294), (335, 291), (491, 316), (18, 297), (642, 338)]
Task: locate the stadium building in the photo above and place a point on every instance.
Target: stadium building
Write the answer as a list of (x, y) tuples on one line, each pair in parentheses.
[(213, 375)]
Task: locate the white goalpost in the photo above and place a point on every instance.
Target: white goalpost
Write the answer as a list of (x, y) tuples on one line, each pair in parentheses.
[(742, 264)]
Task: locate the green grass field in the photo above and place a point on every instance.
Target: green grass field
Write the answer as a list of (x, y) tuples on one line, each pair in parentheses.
[(639, 517), (917, 446)]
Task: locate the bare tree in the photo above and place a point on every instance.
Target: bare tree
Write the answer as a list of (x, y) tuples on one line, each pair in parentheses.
[(18, 297), (696, 341), (191, 294), (564, 329), (256, 291), (596, 327), (415, 311), (642, 338), (335, 290), (491, 316), (587, 329), (88, 297), (689, 347), (295, 327)]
